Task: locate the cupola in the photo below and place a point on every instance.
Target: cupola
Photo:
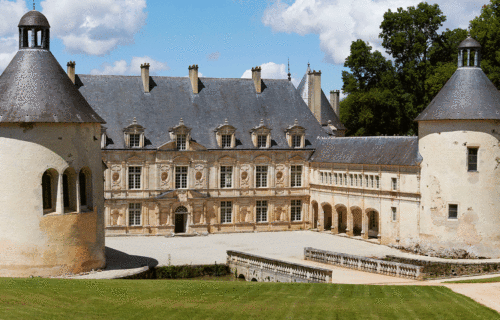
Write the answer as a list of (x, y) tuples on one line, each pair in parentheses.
[(34, 31), (469, 53)]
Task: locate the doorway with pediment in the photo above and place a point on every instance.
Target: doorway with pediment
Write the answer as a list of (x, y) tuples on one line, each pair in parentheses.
[(180, 219)]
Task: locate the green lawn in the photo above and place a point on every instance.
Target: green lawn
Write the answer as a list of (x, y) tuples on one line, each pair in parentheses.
[(486, 280), (39, 298)]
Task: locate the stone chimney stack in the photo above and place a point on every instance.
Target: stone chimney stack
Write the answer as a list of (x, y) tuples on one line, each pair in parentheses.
[(334, 101), (193, 76), (145, 76), (315, 93), (256, 77), (71, 71)]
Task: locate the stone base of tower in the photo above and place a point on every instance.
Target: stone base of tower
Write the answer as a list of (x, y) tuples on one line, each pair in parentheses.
[(71, 246)]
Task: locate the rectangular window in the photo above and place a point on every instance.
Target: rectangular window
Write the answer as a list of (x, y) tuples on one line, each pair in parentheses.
[(226, 177), (340, 178), (472, 159), (261, 210), (371, 181), (394, 216), (261, 176), (134, 214), (452, 211), (226, 141), (345, 179), (377, 178), (394, 184), (261, 141), (134, 177), (356, 180), (226, 210), (330, 177), (296, 141), (296, 210), (322, 177), (181, 177), (336, 178), (181, 142), (296, 176), (366, 181), (351, 177), (134, 140)]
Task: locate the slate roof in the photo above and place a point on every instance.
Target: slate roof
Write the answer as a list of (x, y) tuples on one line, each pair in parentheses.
[(34, 18), (468, 95), (35, 88), (118, 99), (469, 43), (379, 150), (327, 112)]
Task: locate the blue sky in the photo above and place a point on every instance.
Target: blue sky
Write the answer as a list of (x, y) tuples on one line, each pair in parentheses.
[(224, 37)]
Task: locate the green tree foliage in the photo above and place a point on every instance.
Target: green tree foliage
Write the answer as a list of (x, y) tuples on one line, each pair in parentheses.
[(384, 98), (486, 30)]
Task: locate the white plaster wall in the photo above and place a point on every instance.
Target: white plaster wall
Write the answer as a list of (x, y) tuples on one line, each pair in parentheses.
[(26, 152), (445, 179)]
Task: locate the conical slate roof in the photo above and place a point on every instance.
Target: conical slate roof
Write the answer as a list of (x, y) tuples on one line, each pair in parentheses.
[(34, 18), (35, 88), (468, 95)]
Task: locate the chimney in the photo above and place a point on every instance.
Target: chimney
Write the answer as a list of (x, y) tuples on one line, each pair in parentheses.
[(315, 93), (256, 73), (145, 76), (334, 101), (193, 76), (71, 71)]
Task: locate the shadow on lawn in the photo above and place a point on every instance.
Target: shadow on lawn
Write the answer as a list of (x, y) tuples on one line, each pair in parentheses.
[(118, 260)]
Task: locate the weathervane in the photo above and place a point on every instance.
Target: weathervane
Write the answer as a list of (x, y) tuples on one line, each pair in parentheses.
[(33, 4), (289, 74)]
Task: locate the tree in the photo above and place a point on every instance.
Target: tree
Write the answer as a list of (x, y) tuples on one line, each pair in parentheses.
[(485, 29)]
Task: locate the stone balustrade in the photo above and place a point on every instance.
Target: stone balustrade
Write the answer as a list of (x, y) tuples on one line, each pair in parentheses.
[(389, 268), (262, 269)]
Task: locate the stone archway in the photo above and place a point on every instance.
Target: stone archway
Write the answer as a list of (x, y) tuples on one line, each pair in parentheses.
[(357, 221), (180, 220), (373, 223), (328, 217), (342, 218), (314, 206)]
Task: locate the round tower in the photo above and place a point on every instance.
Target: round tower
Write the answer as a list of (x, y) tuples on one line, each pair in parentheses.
[(459, 140), (51, 186)]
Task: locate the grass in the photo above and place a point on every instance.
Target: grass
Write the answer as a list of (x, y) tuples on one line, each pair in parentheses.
[(486, 280), (40, 298)]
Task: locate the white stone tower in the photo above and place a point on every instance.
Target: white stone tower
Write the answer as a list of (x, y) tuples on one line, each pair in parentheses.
[(51, 186), (459, 140)]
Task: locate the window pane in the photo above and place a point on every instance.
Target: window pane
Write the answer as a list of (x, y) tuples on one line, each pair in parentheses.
[(261, 210), (296, 210), (261, 141), (472, 159), (226, 141), (181, 142), (134, 140), (134, 214), (261, 176), (453, 211), (134, 177), (226, 209), (181, 177), (296, 141), (226, 177)]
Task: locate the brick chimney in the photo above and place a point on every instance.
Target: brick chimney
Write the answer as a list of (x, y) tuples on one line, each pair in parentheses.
[(193, 76), (315, 93), (145, 76), (71, 70), (334, 101), (256, 77)]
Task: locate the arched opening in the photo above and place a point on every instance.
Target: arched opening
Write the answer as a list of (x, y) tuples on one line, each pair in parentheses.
[(315, 214), (241, 277), (357, 221), (85, 185), (342, 219), (49, 190), (373, 224), (180, 219), (327, 209), (254, 280), (69, 190)]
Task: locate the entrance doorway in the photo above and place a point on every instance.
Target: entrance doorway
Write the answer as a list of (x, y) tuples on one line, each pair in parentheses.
[(373, 223), (180, 220), (327, 209)]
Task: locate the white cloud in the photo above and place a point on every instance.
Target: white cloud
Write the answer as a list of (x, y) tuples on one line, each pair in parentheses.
[(214, 56), (10, 14), (339, 22), (121, 67), (272, 70), (95, 27)]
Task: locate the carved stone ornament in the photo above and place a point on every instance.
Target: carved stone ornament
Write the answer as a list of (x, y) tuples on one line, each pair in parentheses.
[(116, 176), (244, 175), (164, 176), (115, 217), (198, 175), (279, 175), (182, 195)]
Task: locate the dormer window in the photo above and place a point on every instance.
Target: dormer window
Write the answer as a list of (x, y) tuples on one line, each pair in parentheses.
[(224, 135), (261, 141), (181, 142), (134, 135), (261, 136), (181, 134), (295, 135)]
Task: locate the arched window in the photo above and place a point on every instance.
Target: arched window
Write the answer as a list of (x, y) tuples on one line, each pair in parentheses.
[(49, 190), (69, 190), (181, 210), (85, 185)]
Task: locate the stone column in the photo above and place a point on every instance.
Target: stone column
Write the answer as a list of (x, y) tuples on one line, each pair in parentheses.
[(335, 221), (350, 226), (77, 193), (364, 225), (321, 218), (59, 197)]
